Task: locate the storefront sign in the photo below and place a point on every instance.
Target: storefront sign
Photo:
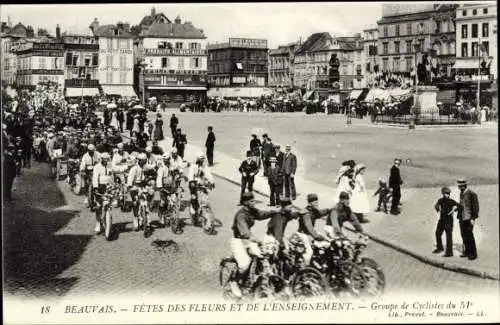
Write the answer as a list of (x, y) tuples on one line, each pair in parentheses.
[(41, 71), (248, 43), (115, 51), (48, 46), (162, 52), (177, 72), (47, 53)]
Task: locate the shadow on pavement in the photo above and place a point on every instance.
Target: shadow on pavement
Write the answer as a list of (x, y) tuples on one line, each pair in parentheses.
[(34, 254)]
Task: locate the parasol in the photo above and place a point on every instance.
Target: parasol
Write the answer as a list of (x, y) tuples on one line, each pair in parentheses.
[(138, 107)]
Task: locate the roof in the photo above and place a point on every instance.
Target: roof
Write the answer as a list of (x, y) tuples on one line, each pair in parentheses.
[(278, 51), (184, 30), (315, 42), (17, 31), (107, 31), (148, 20)]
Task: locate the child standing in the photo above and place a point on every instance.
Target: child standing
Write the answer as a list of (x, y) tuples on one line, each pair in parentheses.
[(384, 194), (445, 206)]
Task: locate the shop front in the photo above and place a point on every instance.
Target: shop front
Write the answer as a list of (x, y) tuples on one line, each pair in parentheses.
[(175, 88), (466, 91)]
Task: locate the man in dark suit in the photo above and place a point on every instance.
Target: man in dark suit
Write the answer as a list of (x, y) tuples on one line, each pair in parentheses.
[(267, 149), (210, 144), (275, 181), (468, 212), (180, 141), (174, 121), (121, 119), (248, 170), (395, 183), (288, 169), (279, 156)]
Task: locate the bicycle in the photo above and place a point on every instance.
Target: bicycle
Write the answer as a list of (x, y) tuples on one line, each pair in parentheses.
[(104, 209), (200, 210), (142, 204)]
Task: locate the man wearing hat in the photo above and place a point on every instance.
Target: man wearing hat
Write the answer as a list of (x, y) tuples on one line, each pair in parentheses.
[(120, 157), (248, 169), (277, 225), (288, 169), (468, 212), (255, 145), (89, 160), (445, 206), (101, 177), (180, 141), (280, 155), (307, 221), (267, 148), (340, 214), (275, 181), (395, 182), (244, 243), (210, 144)]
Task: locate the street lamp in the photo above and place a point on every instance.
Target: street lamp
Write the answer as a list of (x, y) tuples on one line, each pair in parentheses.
[(143, 66)]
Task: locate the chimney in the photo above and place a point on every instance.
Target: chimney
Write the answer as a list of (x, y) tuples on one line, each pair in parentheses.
[(178, 19), (9, 22), (153, 11), (58, 32)]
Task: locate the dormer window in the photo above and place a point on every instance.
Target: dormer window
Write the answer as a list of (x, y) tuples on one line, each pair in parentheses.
[(116, 32)]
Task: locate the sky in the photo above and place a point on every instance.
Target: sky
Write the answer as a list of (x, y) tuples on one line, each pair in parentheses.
[(279, 23)]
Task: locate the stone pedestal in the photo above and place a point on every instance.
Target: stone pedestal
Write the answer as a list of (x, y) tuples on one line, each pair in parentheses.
[(424, 100)]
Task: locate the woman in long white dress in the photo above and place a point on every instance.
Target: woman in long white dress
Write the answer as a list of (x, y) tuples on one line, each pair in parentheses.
[(135, 128), (114, 120), (343, 182), (360, 203)]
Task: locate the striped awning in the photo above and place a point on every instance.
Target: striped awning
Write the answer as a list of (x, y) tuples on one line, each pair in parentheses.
[(120, 90), (79, 92)]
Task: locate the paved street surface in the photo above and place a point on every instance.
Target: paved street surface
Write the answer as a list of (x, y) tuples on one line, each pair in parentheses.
[(50, 251)]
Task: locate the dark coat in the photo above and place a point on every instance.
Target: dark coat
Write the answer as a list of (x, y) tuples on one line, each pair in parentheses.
[(395, 180), (274, 176), (289, 164), (249, 168), (469, 206), (210, 143)]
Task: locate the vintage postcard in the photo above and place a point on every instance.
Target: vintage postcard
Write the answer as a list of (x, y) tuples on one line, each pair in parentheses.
[(293, 162)]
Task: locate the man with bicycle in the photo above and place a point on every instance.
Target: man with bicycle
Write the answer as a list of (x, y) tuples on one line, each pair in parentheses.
[(199, 175), (89, 160), (165, 183), (340, 214), (135, 180), (244, 243), (101, 178)]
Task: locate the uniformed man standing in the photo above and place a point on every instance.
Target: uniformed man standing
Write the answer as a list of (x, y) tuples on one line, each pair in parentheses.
[(248, 170), (275, 181), (468, 212)]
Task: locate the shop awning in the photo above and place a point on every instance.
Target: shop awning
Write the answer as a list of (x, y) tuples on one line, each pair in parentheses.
[(120, 90), (239, 92), (466, 64), (308, 95), (355, 93), (374, 93), (178, 88), (78, 92)]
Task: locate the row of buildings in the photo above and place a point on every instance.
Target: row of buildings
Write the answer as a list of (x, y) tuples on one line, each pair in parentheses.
[(173, 60)]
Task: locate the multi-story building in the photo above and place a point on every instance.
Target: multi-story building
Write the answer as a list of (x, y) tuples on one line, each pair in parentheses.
[(476, 27), (175, 56), (443, 39), (281, 65), (10, 35), (148, 20), (39, 61), (370, 57), (116, 58), (81, 70), (312, 60), (241, 62)]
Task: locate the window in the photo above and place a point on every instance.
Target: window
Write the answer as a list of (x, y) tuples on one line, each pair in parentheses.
[(164, 62), (123, 62), (421, 43), (368, 67), (123, 77), (475, 49), (195, 62), (396, 47), (69, 58), (109, 61), (6, 64), (474, 12), (485, 30), (75, 60), (485, 11), (408, 47), (464, 31), (408, 29), (397, 30), (123, 44), (474, 31), (385, 64), (180, 63), (41, 63), (115, 44), (87, 61), (178, 45), (386, 31), (464, 12), (465, 50), (116, 32), (396, 64), (162, 45), (409, 64), (193, 46), (385, 47), (109, 77), (95, 59), (109, 42), (486, 47)]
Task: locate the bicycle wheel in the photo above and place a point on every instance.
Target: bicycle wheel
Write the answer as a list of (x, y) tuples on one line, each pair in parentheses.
[(227, 269), (308, 282), (108, 224), (347, 279), (375, 277)]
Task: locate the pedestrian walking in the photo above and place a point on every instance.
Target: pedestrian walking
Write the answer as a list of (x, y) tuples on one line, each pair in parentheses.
[(445, 206), (210, 144), (384, 194), (158, 132), (289, 168), (180, 142), (174, 121), (360, 205), (275, 181), (468, 212), (121, 118), (114, 120), (395, 182), (248, 169)]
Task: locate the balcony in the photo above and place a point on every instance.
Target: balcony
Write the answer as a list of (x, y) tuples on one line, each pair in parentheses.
[(166, 52), (92, 83)]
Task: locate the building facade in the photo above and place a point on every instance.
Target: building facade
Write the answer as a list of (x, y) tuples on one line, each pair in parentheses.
[(281, 60), (312, 60), (9, 36), (81, 65), (116, 58), (175, 59), (241, 62), (369, 56), (39, 61)]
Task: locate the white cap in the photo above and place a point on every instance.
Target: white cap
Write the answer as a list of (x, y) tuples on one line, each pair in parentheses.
[(149, 149), (142, 156), (91, 147), (105, 155), (119, 145), (166, 156)]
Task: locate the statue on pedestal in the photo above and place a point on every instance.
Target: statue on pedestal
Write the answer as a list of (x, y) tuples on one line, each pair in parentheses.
[(424, 70)]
